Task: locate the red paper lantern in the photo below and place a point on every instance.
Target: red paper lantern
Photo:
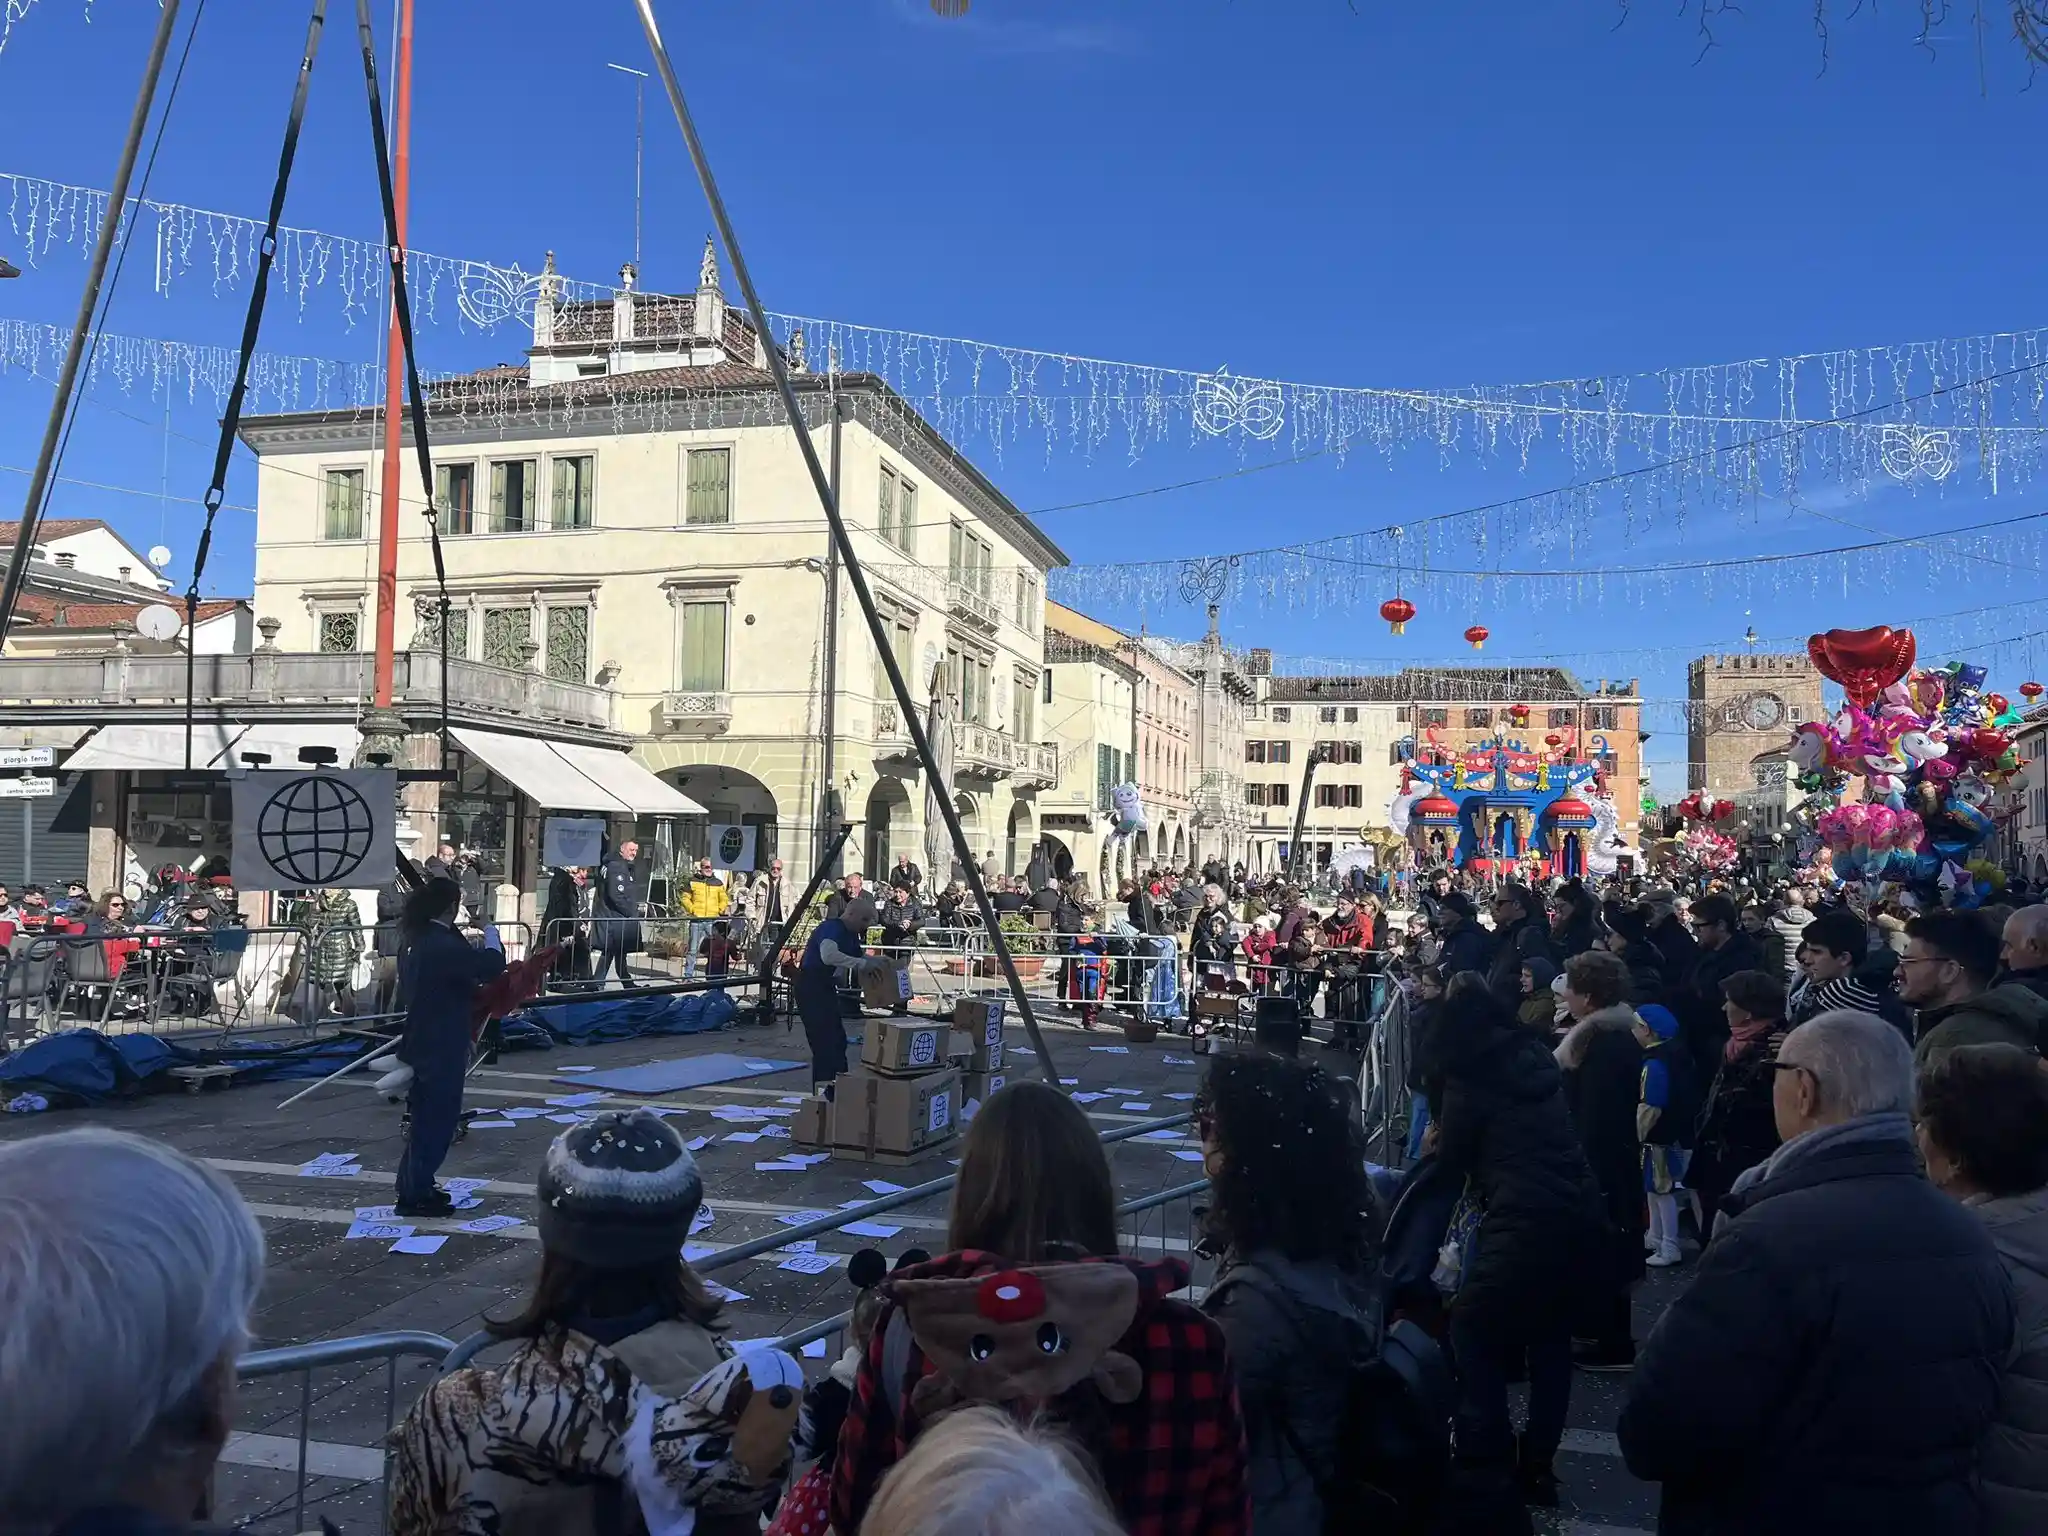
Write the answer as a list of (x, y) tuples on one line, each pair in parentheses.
[(1863, 661), (1397, 611), (1553, 740), (1476, 635), (2031, 691), (1518, 714)]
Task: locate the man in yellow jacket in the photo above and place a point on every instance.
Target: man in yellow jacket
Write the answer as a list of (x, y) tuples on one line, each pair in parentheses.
[(705, 900)]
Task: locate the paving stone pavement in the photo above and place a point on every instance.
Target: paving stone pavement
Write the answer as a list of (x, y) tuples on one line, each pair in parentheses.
[(323, 1285)]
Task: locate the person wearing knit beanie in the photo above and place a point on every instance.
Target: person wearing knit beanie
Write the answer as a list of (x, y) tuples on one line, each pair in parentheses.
[(619, 1191)]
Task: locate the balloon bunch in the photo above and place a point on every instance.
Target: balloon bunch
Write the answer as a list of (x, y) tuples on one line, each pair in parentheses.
[(1701, 848), (1699, 806), (1930, 746), (1874, 841)]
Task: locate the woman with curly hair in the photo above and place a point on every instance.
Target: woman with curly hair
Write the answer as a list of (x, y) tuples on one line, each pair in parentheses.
[(1285, 1154)]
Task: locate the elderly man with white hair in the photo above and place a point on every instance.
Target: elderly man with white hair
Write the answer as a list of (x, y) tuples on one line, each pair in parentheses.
[(127, 1275), (2024, 952), (1837, 1358)]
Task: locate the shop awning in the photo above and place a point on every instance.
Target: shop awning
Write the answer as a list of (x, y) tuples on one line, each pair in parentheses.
[(562, 776), (618, 774), (216, 744)]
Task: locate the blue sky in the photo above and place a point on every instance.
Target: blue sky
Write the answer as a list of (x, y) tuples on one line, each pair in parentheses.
[(1428, 196)]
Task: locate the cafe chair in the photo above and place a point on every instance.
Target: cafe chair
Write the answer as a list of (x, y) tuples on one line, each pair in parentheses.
[(86, 966), (31, 961)]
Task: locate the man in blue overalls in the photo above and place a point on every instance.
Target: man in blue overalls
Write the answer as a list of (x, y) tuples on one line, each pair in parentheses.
[(440, 973)]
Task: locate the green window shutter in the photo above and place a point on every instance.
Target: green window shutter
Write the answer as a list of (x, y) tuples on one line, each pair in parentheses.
[(703, 659)]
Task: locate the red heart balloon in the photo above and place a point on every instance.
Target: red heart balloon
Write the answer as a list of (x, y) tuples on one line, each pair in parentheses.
[(1863, 661)]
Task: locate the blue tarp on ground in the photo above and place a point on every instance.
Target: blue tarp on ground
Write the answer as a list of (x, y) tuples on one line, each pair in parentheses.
[(621, 1016)]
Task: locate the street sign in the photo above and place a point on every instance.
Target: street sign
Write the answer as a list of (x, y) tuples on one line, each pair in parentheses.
[(27, 757), (27, 788)]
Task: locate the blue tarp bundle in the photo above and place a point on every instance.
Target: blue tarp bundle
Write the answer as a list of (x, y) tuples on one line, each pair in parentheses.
[(619, 1016)]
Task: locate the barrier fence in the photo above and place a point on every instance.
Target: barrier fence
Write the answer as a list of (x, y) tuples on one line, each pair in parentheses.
[(275, 1419)]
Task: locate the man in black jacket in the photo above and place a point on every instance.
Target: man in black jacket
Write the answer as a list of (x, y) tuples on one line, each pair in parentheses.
[(1520, 934), (906, 876), (1837, 1358), (1464, 945), (616, 910), (2024, 952), (1667, 934), (1725, 947)]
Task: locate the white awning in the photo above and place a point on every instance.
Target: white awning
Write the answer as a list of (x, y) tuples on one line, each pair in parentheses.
[(563, 776), (621, 776), (216, 744)]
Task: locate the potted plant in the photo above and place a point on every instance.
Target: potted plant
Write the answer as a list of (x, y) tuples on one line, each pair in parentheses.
[(1026, 945)]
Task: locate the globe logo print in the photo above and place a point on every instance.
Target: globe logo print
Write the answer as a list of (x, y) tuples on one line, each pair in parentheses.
[(315, 830), (732, 842)]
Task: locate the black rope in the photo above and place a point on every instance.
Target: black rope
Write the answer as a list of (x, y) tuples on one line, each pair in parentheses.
[(266, 254), (402, 308)]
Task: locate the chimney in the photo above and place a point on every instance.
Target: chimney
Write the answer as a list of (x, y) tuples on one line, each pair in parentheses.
[(622, 304), (126, 571), (707, 319), (544, 304)]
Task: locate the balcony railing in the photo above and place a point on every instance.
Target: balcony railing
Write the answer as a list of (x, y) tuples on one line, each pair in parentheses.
[(697, 714), (80, 687), (969, 602), (978, 750)]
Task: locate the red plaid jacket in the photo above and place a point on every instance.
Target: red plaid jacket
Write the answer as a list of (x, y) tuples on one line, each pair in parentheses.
[(1173, 1461)]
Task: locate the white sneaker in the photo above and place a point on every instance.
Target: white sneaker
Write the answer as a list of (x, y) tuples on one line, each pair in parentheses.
[(1665, 1257), (1650, 1244)]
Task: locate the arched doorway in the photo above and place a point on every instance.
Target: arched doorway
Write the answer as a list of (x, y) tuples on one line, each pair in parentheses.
[(888, 828), (1017, 843), (968, 809), (1572, 862), (730, 797), (1180, 848)]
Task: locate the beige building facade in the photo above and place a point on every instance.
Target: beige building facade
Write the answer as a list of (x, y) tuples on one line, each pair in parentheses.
[(1091, 712), (1351, 788), (627, 509)]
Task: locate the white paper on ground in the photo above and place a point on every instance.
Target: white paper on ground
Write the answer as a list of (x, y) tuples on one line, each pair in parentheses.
[(781, 1165), (329, 1159), (1185, 1098), (1088, 1098), (743, 1136), (577, 1100), (425, 1243), (809, 1263), (490, 1224), (870, 1229), (385, 1231), (463, 1186), (802, 1245), (1172, 1133), (791, 1098), (851, 1205), (375, 1212), (810, 1157), (332, 1170), (692, 1252), (725, 1293), (1178, 1061), (698, 1143), (566, 1119), (882, 1186), (465, 1202), (802, 1218), (1070, 1082), (575, 1069), (1135, 1108), (492, 1125), (776, 1132), (764, 1066), (1187, 1155), (704, 1217), (1112, 1050), (524, 1114), (815, 1350)]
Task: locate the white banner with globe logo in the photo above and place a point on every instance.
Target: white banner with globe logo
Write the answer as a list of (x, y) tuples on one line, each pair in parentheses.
[(309, 830), (732, 847)]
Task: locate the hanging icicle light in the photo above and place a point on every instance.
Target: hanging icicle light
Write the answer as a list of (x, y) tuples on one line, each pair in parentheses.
[(950, 8), (1397, 611), (1476, 636)]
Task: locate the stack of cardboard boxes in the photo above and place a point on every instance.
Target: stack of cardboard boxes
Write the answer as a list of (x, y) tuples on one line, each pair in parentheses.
[(909, 1095)]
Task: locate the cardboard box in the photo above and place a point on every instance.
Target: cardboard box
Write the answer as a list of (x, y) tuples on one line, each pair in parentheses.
[(974, 1053), (900, 1047), (975, 1087), (981, 1018), (885, 989), (811, 1126), (894, 1115)]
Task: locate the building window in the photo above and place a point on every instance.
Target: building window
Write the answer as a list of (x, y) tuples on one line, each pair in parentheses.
[(341, 629), (342, 516), (512, 486), (902, 631), (1436, 717), (1023, 695), (1338, 796), (700, 667), (1351, 715), (969, 560), (1105, 774), (505, 631), (1327, 714), (573, 477), (1282, 715), (1478, 719), (1276, 794), (1028, 604), (1560, 718), (1279, 751), (1255, 794), (1601, 717), (708, 477), (455, 497), (885, 516), (569, 643), (1255, 751), (426, 635), (1047, 677), (906, 516)]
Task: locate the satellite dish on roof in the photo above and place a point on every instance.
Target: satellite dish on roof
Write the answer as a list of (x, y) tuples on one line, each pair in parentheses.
[(159, 621), (159, 555)]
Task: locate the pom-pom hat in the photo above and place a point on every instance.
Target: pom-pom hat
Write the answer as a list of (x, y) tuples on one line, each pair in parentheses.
[(619, 1191)]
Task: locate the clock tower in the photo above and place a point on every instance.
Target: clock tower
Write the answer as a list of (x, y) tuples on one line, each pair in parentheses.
[(1740, 706)]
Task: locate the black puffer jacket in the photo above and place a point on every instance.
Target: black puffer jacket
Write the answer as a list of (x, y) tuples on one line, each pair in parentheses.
[(1463, 949), (1498, 1099), (1834, 1363), (1701, 1023), (1514, 947), (1603, 1068)]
